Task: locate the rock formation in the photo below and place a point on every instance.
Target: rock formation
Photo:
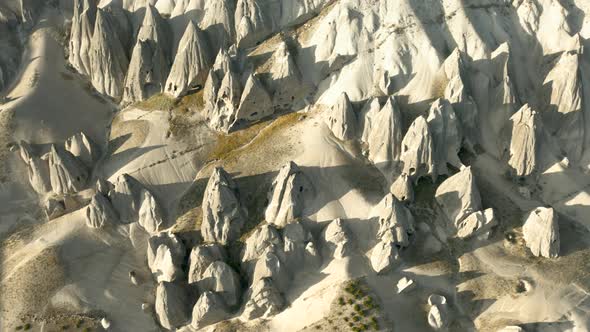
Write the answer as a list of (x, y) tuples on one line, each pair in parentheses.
[(402, 188), (287, 194), (83, 148), (103, 186), (270, 265), (264, 300), (80, 35), (263, 237), (147, 72), (299, 248), (465, 109), (405, 284), (523, 144), (37, 169), (100, 212), (477, 223), (446, 135), (396, 222), (438, 315), (541, 232), (201, 257), (108, 61), (208, 310), (165, 254), (285, 76), (338, 239), (255, 20), (218, 22), (171, 305), (384, 256), (223, 216), (126, 197), (255, 102), (191, 64), (67, 174), (458, 196), (223, 280), (417, 155), (341, 118), (149, 214), (225, 105)]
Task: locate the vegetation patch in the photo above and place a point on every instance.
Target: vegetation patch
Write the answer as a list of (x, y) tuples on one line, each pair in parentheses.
[(158, 102)]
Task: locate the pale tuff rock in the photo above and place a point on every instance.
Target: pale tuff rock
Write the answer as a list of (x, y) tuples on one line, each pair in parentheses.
[(257, 243), (223, 280), (200, 259), (108, 62), (465, 109), (405, 284), (367, 118), (171, 305), (286, 78), (396, 222), (565, 80), (384, 256), (165, 6), (100, 212), (67, 174), (446, 135), (438, 315), (264, 300), (341, 118), (165, 254), (541, 232), (105, 323), (82, 148), (223, 115), (338, 239), (222, 64), (220, 68), (150, 216), (477, 223), (147, 72), (218, 22), (458, 196), (126, 197), (402, 188), (191, 64), (255, 102), (208, 310), (512, 328), (417, 154), (54, 207), (38, 169), (293, 12), (154, 29), (183, 7), (299, 248), (383, 132), (254, 21), (223, 217), (287, 195), (523, 144), (270, 265), (80, 34)]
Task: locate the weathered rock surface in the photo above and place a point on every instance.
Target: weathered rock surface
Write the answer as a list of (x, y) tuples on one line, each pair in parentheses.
[(67, 174), (523, 144), (218, 22), (384, 256), (191, 64), (37, 169), (438, 315), (222, 115), (201, 257), (100, 212), (223, 280), (446, 135), (270, 265), (338, 239), (264, 300), (255, 102), (171, 305), (147, 71), (165, 254), (208, 310), (103, 186), (402, 188), (285, 76), (383, 132), (396, 222), (341, 118), (255, 20), (80, 35), (417, 154), (126, 197), (477, 223), (299, 247), (286, 199), (405, 284), (83, 148), (541, 232), (261, 239), (150, 215), (223, 216), (458, 196)]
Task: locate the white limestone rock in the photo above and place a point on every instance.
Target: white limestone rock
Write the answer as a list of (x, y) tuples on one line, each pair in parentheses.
[(405, 284), (37, 169), (155, 29), (417, 154), (446, 135), (223, 216), (255, 20), (223, 114), (465, 109), (223, 280), (81, 31), (541, 232), (286, 199), (82, 148), (299, 247), (208, 310), (264, 300), (171, 305), (262, 238), (402, 188), (255, 102), (103, 186), (147, 71), (338, 239), (341, 118), (108, 61), (458, 196), (218, 22), (438, 314), (367, 119), (523, 144), (191, 64), (67, 174), (478, 223), (286, 77), (396, 222), (149, 214), (100, 212), (126, 197), (270, 265), (165, 254), (512, 328), (384, 256), (201, 257)]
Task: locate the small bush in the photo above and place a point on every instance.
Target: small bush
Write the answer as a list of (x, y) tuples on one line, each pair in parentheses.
[(356, 318), (341, 301), (27, 326), (79, 323), (350, 301), (357, 308), (65, 327), (346, 319), (18, 328)]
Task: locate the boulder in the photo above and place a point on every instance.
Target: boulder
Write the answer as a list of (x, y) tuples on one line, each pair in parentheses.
[(458, 196), (402, 188), (287, 194), (384, 256), (405, 284), (264, 300), (341, 118), (446, 135), (523, 142), (438, 315), (417, 154), (223, 217), (171, 305), (100, 212), (37, 169), (541, 232), (82, 148), (201, 257), (165, 254), (67, 174), (208, 310), (338, 239), (478, 223), (223, 280)]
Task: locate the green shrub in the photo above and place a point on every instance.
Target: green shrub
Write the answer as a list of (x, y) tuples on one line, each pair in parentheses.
[(356, 318), (341, 300), (27, 326)]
